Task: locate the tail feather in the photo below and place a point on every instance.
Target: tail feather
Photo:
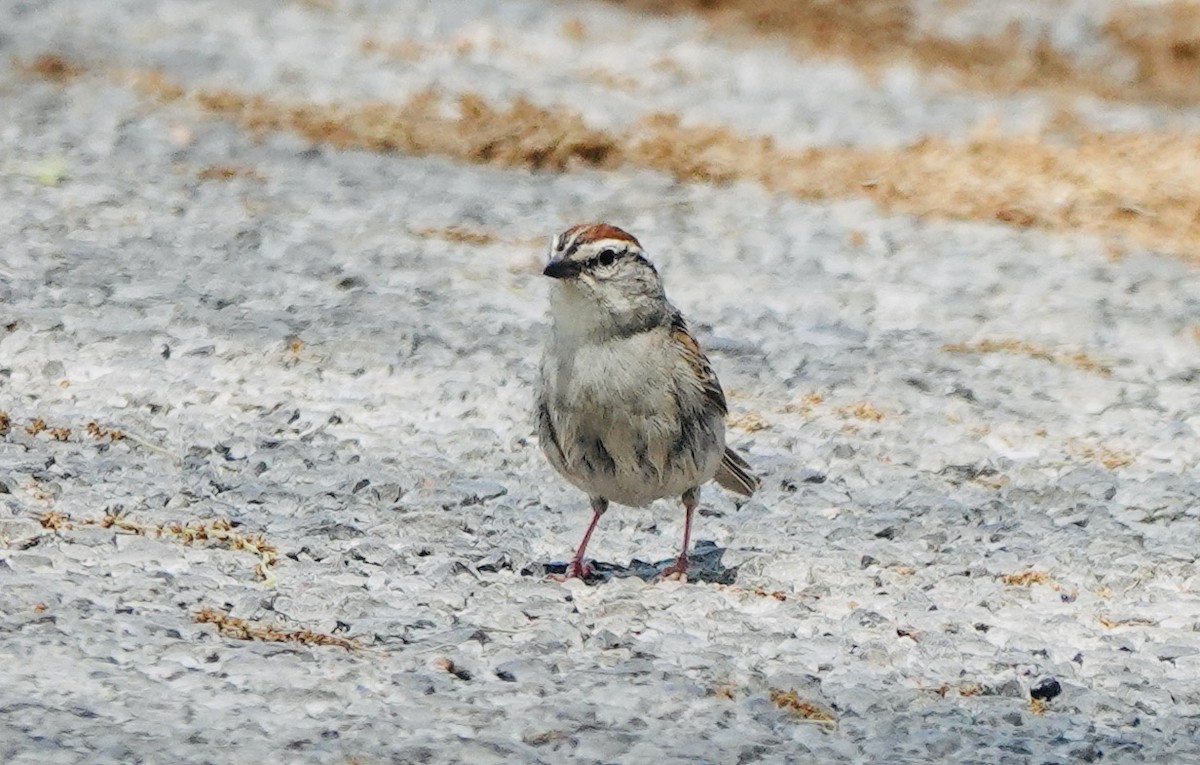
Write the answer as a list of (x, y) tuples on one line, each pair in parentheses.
[(734, 474)]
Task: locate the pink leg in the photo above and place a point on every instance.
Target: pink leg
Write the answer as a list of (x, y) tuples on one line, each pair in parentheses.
[(578, 567), (691, 498)]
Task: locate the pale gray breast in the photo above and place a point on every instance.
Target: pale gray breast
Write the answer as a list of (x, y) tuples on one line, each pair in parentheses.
[(623, 423)]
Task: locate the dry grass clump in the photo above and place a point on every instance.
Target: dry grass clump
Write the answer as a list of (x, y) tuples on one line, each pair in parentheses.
[(1162, 39), (1112, 623), (1110, 458), (154, 83), (457, 234), (751, 422), (863, 410), (1077, 359), (520, 135), (97, 431), (228, 173), (51, 66), (879, 33), (791, 702), (1138, 186), (242, 629), (806, 405), (403, 50), (217, 530), (1028, 578)]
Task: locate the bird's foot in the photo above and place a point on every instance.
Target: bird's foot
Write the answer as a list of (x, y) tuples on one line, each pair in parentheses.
[(676, 571), (576, 569)]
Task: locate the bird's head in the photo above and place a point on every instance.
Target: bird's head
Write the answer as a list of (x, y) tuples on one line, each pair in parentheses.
[(604, 282)]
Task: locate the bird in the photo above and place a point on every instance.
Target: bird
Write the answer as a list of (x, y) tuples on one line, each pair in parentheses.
[(628, 407)]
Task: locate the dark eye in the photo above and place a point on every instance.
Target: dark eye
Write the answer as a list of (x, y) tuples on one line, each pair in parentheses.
[(607, 257)]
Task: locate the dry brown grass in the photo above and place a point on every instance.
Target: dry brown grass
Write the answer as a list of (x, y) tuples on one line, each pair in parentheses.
[(807, 404), (219, 531), (1029, 578), (402, 50), (1132, 185), (1129, 186), (790, 702), (457, 234), (228, 173), (1135, 185), (1077, 359), (241, 629), (153, 83), (5, 423), (520, 135), (750, 422), (1163, 41), (862, 410), (97, 431), (1111, 459), (1112, 623), (50, 66)]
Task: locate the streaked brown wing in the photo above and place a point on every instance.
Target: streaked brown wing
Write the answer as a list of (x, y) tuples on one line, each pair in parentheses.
[(699, 362)]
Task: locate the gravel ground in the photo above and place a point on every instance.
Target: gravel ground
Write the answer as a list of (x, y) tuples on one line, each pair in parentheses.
[(297, 350)]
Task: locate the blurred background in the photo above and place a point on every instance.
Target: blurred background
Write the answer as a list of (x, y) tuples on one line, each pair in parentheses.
[(270, 311)]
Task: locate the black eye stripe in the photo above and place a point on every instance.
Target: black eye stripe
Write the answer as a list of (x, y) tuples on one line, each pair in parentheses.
[(605, 257)]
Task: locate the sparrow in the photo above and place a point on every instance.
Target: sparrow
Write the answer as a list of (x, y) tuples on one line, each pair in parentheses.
[(628, 407)]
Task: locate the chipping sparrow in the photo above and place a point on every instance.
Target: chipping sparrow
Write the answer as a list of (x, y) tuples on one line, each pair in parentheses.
[(628, 408)]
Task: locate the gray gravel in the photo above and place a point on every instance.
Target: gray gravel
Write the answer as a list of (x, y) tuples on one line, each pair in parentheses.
[(388, 454)]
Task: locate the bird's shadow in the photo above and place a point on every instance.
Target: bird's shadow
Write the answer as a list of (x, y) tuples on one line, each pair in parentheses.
[(704, 565)]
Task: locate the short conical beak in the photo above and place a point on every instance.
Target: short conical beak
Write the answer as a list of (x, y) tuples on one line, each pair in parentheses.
[(560, 269)]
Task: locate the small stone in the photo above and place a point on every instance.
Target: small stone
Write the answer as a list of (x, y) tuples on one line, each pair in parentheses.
[(1045, 689)]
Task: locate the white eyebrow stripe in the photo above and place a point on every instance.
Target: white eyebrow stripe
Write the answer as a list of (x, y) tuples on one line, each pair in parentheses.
[(617, 244)]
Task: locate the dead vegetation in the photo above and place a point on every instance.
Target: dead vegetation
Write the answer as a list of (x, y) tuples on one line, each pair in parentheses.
[(50, 66), (401, 50), (219, 531), (1163, 41), (228, 173), (457, 234), (153, 83), (750, 422), (1111, 623), (862, 410), (1110, 458), (1077, 359), (241, 629), (520, 135), (790, 702), (1028, 578), (1130, 185)]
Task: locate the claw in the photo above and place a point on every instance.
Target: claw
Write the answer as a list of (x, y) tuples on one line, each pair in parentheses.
[(677, 571), (577, 569)]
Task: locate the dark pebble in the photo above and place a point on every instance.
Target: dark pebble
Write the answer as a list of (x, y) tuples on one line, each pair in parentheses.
[(1045, 689)]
